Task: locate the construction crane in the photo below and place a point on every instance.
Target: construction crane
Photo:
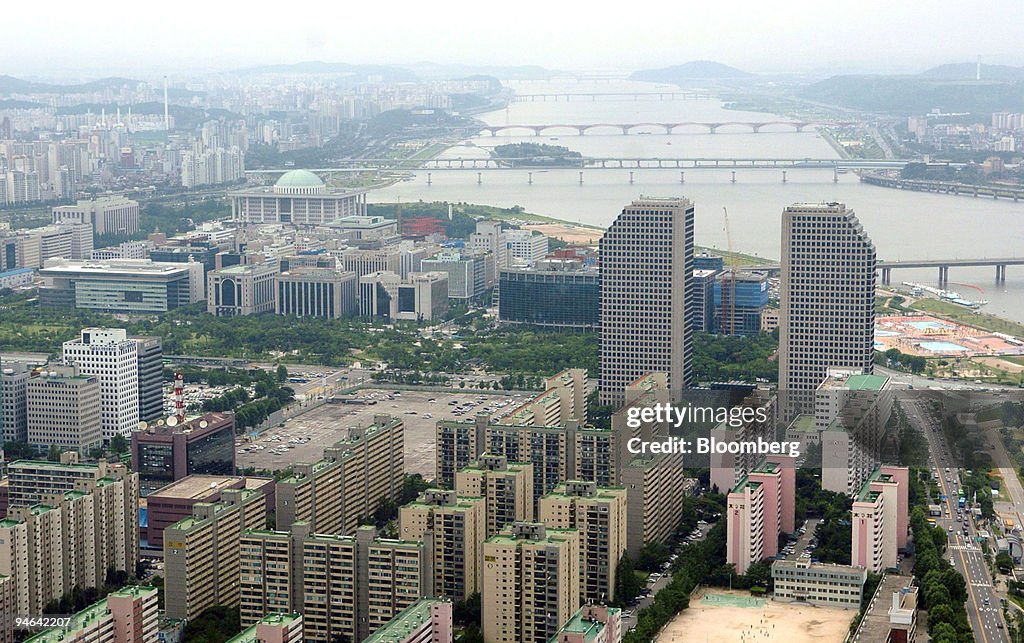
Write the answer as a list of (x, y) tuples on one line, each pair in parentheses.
[(729, 327)]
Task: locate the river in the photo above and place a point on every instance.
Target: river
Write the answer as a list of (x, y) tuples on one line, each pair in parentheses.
[(903, 225)]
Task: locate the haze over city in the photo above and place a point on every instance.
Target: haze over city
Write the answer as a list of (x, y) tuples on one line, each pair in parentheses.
[(512, 322), (65, 41)]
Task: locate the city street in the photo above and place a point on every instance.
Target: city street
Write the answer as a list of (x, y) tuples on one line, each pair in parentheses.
[(983, 609)]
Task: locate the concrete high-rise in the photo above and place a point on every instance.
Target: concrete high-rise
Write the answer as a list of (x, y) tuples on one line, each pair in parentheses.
[(108, 354), (506, 486), (344, 586), (151, 378), (63, 409), (646, 269), (599, 514), (531, 583), (827, 295), (457, 526)]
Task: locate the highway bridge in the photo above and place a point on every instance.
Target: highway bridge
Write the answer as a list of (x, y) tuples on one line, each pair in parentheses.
[(945, 187), (885, 268), (598, 163), (593, 96), (666, 128)]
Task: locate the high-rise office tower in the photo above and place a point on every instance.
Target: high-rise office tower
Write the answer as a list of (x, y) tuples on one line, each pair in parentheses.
[(827, 294), (108, 354), (646, 269), (151, 378)]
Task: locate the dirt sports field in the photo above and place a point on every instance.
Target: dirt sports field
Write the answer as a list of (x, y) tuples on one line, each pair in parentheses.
[(720, 616)]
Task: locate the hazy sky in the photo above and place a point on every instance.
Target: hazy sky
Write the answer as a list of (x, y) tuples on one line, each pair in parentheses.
[(95, 39)]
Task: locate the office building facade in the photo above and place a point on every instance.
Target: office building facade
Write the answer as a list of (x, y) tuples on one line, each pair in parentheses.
[(646, 268), (827, 300), (151, 378), (121, 285), (316, 292), (162, 454), (63, 409), (113, 359), (106, 215), (242, 289), (555, 294)]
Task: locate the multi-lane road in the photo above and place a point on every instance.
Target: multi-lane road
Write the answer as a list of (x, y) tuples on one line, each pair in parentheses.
[(983, 607)]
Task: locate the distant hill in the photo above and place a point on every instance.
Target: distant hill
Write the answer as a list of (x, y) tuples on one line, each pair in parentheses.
[(907, 95), (436, 71), (12, 85), (691, 71), (968, 71), (360, 73)]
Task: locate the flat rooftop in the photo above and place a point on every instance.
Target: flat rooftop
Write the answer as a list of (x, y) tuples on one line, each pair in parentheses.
[(874, 626), (588, 627), (802, 423), (196, 487), (405, 623), (249, 634)]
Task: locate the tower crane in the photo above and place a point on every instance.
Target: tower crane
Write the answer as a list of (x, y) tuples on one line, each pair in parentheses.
[(729, 300)]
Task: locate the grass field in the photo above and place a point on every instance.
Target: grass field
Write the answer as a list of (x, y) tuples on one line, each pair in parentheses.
[(965, 316)]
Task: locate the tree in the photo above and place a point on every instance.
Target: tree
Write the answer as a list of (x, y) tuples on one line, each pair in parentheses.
[(652, 556), (282, 373), (1004, 562), (53, 455), (118, 444), (627, 585)]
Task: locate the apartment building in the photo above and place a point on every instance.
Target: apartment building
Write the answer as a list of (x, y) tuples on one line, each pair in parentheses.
[(758, 509), (852, 412), (428, 620), (7, 609), (880, 519), (599, 514), (530, 583), (201, 553), (33, 480), (348, 483), (727, 469), (128, 615), (507, 489), (819, 584), (71, 540), (273, 628), (344, 586), (654, 486), (591, 624), (457, 526)]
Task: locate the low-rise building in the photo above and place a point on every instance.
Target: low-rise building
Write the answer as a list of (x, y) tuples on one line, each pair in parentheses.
[(246, 289), (273, 628), (120, 285), (819, 584)]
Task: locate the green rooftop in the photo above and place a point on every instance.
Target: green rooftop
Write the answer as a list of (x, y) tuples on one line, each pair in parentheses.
[(866, 382), (589, 628), (405, 622), (86, 617), (249, 635), (802, 424)]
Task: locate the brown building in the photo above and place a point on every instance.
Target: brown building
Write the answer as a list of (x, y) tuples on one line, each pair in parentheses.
[(177, 500), (506, 487), (162, 454), (456, 527)]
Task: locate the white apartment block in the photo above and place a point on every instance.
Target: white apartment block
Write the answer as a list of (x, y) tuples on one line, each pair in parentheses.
[(108, 354), (107, 215)]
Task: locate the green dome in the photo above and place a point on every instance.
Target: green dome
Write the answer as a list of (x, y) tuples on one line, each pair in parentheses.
[(299, 179)]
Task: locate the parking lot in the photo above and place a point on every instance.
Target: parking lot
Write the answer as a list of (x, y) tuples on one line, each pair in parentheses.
[(303, 438)]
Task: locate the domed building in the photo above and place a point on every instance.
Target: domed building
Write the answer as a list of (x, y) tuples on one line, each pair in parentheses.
[(299, 197)]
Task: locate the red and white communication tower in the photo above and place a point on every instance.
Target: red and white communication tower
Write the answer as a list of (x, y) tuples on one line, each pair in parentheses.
[(179, 397)]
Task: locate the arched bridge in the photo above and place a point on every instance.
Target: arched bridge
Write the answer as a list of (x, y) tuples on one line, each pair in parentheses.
[(667, 128)]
